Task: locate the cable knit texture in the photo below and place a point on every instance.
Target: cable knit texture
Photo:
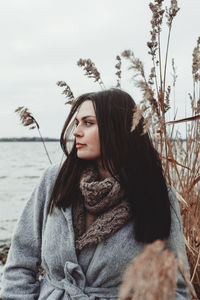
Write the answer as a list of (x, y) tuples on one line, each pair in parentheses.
[(104, 199)]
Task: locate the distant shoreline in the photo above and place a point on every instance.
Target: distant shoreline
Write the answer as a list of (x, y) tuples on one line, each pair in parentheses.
[(28, 139), (37, 139)]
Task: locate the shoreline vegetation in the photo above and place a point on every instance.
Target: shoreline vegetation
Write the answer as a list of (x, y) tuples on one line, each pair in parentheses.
[(4, 248)]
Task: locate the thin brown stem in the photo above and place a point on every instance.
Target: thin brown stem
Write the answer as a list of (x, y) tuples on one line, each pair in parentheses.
[(44, 146), (156, 79), (160, 63), (166, 57)]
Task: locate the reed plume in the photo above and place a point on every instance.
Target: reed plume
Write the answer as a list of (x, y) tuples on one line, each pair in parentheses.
[(27, 119), (67, 92), (118, 73), (151, 275), (91, 70), (137, 66)]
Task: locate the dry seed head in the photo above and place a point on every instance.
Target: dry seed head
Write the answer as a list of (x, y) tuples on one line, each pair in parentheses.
[(156, 22), (118, 57), (151, 275), (127, 54), (196, 61), (174, 74), (157, 16), (118, 73), (159, 2), (153, 38), (19, 108), (91, 70), (138, 66), (137, 115), (61, 83), (153, 46), (148, 94), (26, 117), (172, 12), (28, 122), (152, 76), (147, 123), (167, 106), (198, 107), (67, 92)]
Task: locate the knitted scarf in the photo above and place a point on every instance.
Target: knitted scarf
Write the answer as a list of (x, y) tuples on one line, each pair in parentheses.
[(104, 200)]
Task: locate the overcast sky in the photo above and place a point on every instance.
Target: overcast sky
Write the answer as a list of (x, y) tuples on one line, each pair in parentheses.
[(41, 41)]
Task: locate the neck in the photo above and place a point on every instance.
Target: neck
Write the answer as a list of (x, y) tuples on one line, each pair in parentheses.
[(103, 173)]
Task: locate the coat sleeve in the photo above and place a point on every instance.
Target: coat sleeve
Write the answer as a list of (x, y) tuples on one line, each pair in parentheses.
[(20, 276), (177, 245)]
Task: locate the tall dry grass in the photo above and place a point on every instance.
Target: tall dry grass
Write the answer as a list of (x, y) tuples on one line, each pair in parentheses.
[(28, 120), (181, 159)]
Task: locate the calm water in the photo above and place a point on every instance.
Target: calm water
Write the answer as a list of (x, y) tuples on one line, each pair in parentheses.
[(22, 164)]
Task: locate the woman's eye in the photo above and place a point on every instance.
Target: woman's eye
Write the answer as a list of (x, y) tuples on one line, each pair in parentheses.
[(87, 123)]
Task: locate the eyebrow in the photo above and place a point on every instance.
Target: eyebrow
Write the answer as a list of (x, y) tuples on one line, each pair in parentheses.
[(85, 117)]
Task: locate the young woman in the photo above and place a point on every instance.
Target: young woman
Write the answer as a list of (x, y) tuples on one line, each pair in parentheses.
[(85, 221)]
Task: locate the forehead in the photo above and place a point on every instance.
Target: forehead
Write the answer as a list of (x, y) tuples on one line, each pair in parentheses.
[(86, 108)]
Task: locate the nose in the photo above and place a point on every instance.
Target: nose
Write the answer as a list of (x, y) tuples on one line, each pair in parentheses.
[(78, 132)]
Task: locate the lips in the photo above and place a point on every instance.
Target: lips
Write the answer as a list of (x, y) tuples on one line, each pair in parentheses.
[(79, 145)]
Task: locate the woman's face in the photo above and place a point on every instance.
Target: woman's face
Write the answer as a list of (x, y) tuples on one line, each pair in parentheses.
[(86, 132)]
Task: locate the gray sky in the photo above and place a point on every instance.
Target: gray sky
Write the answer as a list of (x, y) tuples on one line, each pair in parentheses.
[(41, 41)]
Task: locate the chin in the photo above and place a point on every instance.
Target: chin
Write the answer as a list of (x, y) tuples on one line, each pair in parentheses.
[(87, 157), (83, 156)]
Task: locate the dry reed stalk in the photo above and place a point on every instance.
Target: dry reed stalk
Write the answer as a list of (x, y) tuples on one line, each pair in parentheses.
[(91, 70), (181, 163), (191, 179), (27, 119), (137, 115), (67, 92), (146, 86), (185, 274), (155, 50), (119, 72), (193, 118), (151, 275), (190, 186)]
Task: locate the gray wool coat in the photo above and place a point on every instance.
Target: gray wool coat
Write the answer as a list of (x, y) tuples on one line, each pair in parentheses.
[(49, 241)]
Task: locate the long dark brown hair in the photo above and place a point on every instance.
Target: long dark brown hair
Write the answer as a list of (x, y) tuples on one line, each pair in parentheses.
[(130, 155)]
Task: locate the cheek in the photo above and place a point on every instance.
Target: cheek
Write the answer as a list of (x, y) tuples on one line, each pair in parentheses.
[(92, 149), (96, 139), (93, 143)]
